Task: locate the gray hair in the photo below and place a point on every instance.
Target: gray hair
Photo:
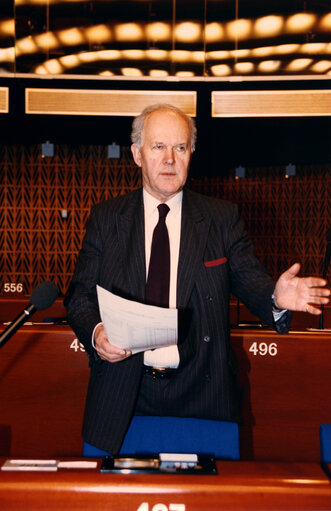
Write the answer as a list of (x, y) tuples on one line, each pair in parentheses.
[(139, 122)]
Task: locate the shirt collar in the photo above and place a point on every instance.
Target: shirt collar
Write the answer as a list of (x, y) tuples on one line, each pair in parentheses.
[(151, 203)]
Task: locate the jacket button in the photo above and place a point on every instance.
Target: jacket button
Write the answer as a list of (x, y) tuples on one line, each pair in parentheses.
[(206, 338), (209, 298)]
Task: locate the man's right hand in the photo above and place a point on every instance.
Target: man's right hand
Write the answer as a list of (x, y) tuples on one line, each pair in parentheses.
[(106, 350)]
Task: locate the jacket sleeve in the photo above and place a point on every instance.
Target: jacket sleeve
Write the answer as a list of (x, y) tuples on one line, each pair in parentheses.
[(81, 300), (249, 279)]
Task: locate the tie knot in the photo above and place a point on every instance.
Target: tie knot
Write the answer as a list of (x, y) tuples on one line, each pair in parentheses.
[(163, 210)]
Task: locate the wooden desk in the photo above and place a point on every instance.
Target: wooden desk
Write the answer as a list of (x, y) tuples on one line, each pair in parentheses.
[(12, 306), (238, 485), (43, 381), (286, 384)]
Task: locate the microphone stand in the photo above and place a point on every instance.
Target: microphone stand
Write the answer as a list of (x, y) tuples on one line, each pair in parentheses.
[(16, 324)]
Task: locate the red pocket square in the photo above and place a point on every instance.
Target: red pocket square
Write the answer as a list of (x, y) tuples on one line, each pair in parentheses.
[(215, 262)]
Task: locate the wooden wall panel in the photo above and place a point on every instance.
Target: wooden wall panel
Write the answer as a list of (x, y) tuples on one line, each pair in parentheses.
[(287, 218)]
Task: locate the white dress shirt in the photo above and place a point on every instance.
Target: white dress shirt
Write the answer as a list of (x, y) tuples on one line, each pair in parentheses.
[(168, 356)]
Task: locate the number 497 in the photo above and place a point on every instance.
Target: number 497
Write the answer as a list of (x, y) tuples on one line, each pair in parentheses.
[(161, 507)]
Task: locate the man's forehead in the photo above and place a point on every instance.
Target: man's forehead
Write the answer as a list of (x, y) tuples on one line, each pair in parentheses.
[(165, 123)]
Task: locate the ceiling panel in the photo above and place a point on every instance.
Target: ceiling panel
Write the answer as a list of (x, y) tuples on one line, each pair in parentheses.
[(159, 39)]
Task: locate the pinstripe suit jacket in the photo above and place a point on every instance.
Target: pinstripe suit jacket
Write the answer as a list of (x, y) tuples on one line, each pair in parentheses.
[(216, 258)]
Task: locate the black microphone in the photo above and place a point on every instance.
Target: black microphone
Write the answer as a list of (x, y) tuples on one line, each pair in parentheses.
[(42, 297)]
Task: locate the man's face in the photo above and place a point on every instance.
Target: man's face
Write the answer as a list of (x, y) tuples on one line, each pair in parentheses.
[(165, 153)]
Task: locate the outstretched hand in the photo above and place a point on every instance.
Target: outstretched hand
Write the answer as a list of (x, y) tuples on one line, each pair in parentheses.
[(300, 293)]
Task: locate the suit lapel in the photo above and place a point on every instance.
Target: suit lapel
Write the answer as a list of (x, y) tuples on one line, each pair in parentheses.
[(194, 233), (132, 241)]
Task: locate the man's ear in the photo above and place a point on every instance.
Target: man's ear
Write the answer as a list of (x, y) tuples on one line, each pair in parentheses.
[(136, 154)]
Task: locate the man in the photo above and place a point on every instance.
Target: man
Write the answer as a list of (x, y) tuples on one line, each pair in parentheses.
[(210, 257)]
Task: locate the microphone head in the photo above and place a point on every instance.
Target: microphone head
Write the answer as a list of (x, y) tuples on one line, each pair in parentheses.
[(44, 295)]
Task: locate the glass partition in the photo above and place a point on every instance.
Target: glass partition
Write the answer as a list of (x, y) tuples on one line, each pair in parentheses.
[(160, 39), (7, 37)]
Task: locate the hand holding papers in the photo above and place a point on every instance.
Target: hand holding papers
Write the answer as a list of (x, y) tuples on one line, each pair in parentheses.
[(135, 326)]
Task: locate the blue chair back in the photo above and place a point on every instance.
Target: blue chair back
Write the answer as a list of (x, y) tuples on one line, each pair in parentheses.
[(151, 435), (325, 441)]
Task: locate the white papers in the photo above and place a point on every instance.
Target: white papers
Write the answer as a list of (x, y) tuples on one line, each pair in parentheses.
[(136, 326), (46, 465), (77, 464), (30, 465)]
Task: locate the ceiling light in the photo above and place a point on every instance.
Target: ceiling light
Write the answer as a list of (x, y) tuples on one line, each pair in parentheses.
[(300, 22), (198, 56), (286, 49), (239, 29), (240, 54), (269, 66), (321, 67), (133, 54), (244, 67), (185, 74), (180, 55), (98, 34), (158, 73), (214, 32), (188, 32), (268, 26), (107, 55), (128, 32), (131, 71), (26, 45), (156, 54), (298, 64), (86, 56), (69, 61), (220, 70), (325, 22), (7, 27), (313, 48), (53, 67), (218, 55), (47, 41), (158, 31), (263, 51), (7, 55), (106, 73), (40, 70), (71, 36)]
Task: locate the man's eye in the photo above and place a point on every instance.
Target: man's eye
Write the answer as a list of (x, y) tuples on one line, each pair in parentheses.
[(181, 148), (158, 146)]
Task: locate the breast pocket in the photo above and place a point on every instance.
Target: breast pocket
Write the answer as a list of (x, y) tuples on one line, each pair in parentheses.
[(215, 262)]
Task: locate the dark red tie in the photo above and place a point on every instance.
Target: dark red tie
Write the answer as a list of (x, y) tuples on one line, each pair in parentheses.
[(158, 280)]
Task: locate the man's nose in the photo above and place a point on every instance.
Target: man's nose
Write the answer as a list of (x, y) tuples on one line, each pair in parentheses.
[(169, 156)]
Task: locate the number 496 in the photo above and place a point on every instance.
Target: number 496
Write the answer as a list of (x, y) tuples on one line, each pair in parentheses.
[(263, 349)]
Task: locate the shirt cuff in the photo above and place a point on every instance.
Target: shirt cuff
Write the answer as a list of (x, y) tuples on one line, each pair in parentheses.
[(276, 311), (92, 341)]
